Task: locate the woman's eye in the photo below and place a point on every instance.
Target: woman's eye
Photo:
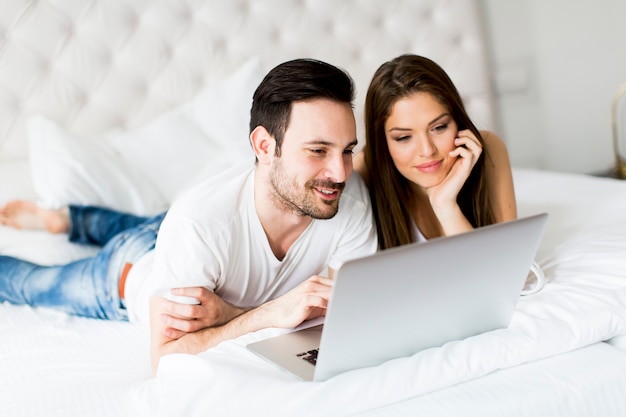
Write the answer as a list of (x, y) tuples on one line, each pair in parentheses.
[(402, 138), (440, 128)]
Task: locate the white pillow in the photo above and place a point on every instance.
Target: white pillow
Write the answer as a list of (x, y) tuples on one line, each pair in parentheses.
[(16, 181), (169, 150), (141, 171), (223, 110), (200, 138), (68, 169)]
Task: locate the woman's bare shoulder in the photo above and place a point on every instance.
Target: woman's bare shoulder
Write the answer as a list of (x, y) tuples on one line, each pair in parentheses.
[(494, 144), (499, 177)]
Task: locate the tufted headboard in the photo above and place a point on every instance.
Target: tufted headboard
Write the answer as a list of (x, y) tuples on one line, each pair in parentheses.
[(94, 65)]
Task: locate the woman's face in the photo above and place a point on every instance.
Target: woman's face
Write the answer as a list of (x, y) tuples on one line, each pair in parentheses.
[(420, 135)]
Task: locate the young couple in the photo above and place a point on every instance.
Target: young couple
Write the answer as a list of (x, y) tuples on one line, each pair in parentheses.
[(248, 245)]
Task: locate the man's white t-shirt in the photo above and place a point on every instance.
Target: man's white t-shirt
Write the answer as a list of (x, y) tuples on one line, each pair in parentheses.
[(212, 237)]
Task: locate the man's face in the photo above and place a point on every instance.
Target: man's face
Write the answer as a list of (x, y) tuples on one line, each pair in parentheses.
[(315, 158)]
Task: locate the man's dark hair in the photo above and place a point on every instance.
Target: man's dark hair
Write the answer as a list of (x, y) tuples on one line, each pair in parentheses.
[(291, 81)]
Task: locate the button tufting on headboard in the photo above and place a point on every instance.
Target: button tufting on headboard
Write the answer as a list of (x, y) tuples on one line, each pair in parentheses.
[(96, 65)]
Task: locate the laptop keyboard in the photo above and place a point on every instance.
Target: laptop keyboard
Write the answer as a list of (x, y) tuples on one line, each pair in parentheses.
[(309, 356)]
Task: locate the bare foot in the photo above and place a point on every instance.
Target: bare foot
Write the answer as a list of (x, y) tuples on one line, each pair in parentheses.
[(26, 215)]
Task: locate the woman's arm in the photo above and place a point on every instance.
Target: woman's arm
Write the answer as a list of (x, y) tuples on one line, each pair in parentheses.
[(498, 179)]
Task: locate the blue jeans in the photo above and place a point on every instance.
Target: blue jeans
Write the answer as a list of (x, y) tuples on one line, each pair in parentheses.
[(86, 287)]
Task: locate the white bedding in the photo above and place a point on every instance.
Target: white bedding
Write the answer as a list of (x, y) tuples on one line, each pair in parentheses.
[(53, 364), (584, 302), (56, 365), (582, 383)]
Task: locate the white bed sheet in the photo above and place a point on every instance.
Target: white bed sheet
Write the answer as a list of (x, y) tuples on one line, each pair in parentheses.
[(52, 364), (582, 383), (55, 365)]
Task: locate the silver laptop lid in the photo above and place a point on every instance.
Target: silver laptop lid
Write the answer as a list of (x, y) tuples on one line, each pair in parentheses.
[(406, 299)]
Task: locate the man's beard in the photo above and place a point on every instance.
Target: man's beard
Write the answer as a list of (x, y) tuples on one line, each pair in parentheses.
[(303, 199)]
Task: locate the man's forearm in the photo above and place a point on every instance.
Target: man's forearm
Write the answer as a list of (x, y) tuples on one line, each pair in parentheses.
[(203, 339), (240, 325), (308, 300)]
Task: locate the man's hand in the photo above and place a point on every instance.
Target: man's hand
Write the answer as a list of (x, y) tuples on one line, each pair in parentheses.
[(307, 301), (179, 319)]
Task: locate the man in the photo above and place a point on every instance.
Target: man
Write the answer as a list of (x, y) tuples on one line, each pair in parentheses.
[(248, 243)]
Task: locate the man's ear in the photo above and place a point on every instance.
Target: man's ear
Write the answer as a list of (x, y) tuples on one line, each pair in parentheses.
[(262, 143)]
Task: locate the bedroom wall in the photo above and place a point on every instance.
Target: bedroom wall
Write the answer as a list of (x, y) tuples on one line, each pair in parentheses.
[(557, 65)]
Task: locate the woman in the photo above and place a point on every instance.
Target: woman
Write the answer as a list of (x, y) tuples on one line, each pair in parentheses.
[(430, 172)]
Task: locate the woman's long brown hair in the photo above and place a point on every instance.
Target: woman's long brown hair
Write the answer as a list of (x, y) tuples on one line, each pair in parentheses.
[(389, 191)]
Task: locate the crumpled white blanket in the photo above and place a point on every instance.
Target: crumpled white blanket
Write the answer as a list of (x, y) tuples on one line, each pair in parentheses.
[(569, 313), (584, 302)]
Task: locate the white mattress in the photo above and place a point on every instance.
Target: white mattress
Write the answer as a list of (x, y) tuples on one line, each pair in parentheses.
[(551, 362)]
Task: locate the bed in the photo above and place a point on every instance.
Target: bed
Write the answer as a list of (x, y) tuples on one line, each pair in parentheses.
[(101, 100)]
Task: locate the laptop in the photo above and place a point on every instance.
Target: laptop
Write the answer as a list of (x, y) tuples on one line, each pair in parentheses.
[(400, 301)]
